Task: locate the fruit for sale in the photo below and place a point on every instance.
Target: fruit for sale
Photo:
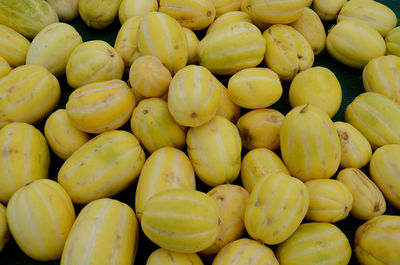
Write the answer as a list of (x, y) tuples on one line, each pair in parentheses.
[(372, 13), (102, 167), (328, 243), (317, 86), (154, 126), (261, 25), (310, 145), (227, 19), (368, 200), (277, 205), (67, 10), (192, 43), (4, 230), (232, 48), (328, 10), (392, 40), (167, 257), (226, 107), (275, 11), (260, 128), (257, 163), (93, 61), (149, 76), (27, 17), (377, 241), (382, 75), (355, 148), (330, 200), (195, 15), (40, 216), (101, 106), (180, 220), (130, 8), (13, 46), (214, 149), (231, 200), (255, 88), (383, 169), (52, 47), (310, 26), (354, 43), (5, 68), (105, 232), (167, 168), (225, 6), (98, 14), (125, 42), (162, 36), (376, 117), (288, 52), (62, 136), (193, 96), (245, 251), (28, 94)]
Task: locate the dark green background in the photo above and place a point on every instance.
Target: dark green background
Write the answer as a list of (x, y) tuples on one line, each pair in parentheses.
[(350, 80)]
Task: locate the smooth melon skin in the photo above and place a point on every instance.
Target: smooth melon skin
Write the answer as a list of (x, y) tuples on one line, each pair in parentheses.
[(13, 46), (5, 68), (131, 8), (4, 230), (98, 14), (185, 221), (166, 257)]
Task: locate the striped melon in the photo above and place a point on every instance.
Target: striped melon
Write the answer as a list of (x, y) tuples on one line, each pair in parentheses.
[(382, 75), (102, 167), (13, 46), (354, 147), (166, 257), (232, 48), (195, 15), (310, 26), (149, 77), (125, 42), (93, 61), (62, 136), (105, 232), (27, 17), (330, 200), (162, 36), (98, 14), (315, 244), (227, 19), (277, 205), (372, 13), (260, 128), (225, 6), (180, 220), (244, 7), (231, 200), (354, 44), (368, 200), (67, 10), (384, 170), (257, 163), (192, 44), (310, 145), (4, 230), (255, 88), (193, 96), (275, 11), (25, 157), (52, 47), (40, 216), (376, 117), (167, 168), (101, 106), (328, 10), (28, 94), (377, 241), (226, 107), (130, 8), (288, 52), (392, 40), (318, 86), (214, 149), (5, 68), (154, 126), (245, 251)]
